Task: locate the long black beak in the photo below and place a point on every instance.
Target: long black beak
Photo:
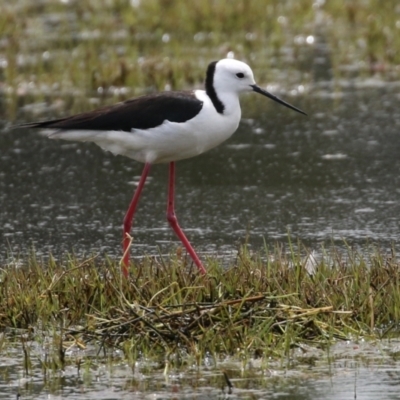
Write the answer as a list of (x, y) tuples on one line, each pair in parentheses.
[(271, 96)]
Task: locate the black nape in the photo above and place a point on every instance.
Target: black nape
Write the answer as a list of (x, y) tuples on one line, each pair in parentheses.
[(210, 90)]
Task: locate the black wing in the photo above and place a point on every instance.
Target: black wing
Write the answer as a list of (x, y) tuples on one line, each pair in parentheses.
[(140, 113)]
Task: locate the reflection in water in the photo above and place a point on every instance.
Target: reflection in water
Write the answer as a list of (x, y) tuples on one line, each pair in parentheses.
[(325, 178)]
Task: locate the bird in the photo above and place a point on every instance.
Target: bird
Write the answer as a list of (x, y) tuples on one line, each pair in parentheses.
[(165, 127)]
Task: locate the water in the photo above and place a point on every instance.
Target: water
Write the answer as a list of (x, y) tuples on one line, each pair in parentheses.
[(326, 178), (349, 370)]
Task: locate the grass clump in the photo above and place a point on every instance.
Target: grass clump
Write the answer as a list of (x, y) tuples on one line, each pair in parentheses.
[(255, 307)]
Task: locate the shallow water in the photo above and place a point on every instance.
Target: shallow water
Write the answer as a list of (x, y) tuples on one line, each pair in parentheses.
[(349, 370), (326, 178)]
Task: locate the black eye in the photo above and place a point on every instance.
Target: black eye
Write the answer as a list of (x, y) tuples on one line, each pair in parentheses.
[(240, 75)]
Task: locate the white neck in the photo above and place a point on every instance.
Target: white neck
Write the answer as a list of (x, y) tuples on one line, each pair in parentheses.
[(231, 103)]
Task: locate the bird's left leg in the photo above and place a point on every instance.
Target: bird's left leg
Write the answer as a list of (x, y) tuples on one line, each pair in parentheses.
[(173, 221)]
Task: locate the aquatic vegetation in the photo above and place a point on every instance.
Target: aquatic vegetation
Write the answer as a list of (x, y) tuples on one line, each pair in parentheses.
[(63, 52), (261, 305)]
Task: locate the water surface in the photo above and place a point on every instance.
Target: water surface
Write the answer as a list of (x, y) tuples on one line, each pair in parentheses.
[(348, 370), (326, 178)]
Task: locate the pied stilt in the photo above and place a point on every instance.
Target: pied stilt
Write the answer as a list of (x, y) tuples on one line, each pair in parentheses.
[(163, 128)]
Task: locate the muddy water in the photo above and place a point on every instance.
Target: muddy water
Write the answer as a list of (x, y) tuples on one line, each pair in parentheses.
[(348, 371), (326, 178)]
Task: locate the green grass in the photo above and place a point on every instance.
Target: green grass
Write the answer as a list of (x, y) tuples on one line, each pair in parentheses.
[(260, 306)]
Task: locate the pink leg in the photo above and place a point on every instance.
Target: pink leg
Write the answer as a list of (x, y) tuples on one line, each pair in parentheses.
[(174, 222), (128, 219)]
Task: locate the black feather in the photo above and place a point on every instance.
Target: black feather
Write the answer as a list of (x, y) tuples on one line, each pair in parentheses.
[(143, 112), (210, 89)]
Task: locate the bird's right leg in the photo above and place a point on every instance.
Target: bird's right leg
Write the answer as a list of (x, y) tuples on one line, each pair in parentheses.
[(128, 219)]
